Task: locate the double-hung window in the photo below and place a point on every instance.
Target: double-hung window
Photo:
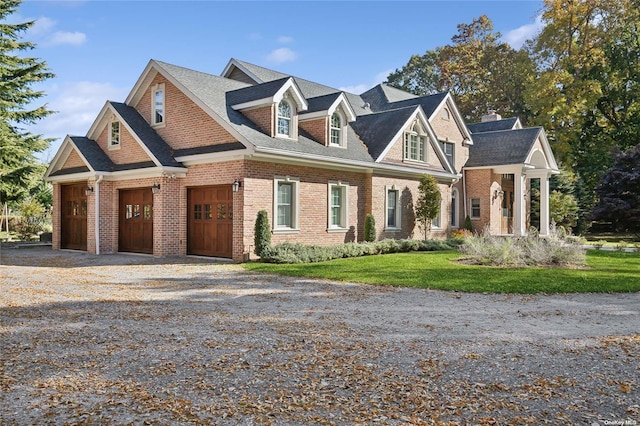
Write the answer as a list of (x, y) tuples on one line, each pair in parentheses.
[(475, 208), (335, 130), (338, 205), (415, 143), (158, 105), (392, 220), (286, 204), (285, 116), (448, 149)]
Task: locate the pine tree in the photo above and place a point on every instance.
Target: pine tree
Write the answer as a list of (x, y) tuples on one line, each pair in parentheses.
[(20, 171)]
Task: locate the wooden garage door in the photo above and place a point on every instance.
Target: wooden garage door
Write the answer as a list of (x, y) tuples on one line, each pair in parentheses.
[(136, 221), (73, 232), (210, 224)]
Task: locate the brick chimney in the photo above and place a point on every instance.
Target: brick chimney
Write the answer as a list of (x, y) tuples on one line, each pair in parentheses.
[(491, 116)]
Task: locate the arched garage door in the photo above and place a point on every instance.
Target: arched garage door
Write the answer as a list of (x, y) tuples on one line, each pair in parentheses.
[(210, 223), (135, 233), (73, 215)]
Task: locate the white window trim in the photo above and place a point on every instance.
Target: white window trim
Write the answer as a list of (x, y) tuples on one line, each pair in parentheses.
[(455, 205), (293, 121), (471, 216), (398, 218), (344, 212), (413, 131), (439, 226), (342, 138), (155, 89), (113, 145), (445, 114), (295, 204)]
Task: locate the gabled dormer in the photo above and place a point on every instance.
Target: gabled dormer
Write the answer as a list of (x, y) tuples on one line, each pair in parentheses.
[(273, 106), (327, 118)]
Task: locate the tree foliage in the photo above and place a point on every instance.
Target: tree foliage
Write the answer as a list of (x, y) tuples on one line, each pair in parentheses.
[(20, 172), (428, 203), (619, 193), (262, 233)]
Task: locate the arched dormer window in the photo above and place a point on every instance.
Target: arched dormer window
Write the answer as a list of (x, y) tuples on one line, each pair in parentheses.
[(415, 143), (445, 114), (335, 129), (285, 118)]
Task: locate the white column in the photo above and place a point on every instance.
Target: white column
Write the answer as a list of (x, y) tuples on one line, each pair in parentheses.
[(544, 205), (519, 206)]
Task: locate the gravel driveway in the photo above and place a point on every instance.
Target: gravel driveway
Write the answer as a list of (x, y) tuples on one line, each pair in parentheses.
[(123, 339)]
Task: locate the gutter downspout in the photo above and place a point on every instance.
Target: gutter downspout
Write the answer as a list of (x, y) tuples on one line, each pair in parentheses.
[(464, 192), (97, 214)]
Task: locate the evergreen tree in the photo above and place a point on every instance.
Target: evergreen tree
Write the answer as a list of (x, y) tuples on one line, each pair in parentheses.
[(20, 172)]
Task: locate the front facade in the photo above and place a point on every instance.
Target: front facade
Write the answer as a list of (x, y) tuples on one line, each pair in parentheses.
[(184, 165)]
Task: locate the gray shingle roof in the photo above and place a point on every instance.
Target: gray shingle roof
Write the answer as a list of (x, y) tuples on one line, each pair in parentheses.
[(98, 160), (380, 95), (322, 103), (502, 147), (429, 103), (158, 147), (252, 93), (211, 90), (492, 126), (378, 129)]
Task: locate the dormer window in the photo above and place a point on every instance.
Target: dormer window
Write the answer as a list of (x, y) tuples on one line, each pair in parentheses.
[(158, 107), (285, 114), (415, 143), (114, 135), (335, 130), (445, 114)]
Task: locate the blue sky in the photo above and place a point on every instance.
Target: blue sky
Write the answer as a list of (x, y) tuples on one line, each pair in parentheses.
[(98, 49)]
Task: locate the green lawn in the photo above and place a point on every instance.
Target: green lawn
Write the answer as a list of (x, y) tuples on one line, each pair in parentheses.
[(606, 272)]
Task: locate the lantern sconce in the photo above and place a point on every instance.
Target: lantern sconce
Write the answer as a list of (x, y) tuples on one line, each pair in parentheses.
[(498, 194), (88, 190), (237, 184), (155, 188)]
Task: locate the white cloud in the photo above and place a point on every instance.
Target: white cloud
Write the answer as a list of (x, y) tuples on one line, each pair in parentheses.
[(516, 38), (42, 25), (77, 105), (363, 87), (285, 39), (283, 54), (65, 37)]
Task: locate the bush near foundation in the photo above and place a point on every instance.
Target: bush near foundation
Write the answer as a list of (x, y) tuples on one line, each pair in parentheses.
[(299, 253)]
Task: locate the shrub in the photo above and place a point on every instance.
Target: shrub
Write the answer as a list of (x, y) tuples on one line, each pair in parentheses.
[(467, 224), (369, 228), (556, 249), (262, 233)]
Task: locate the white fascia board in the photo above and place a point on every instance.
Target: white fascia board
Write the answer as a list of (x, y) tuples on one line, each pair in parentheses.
[(99, 122), (71, 177), (214, 157), (61, 156), (195, 99), (291, 85), (551, 159), (234, 63), (417, 113), (253, 104), (346, 107), (136, 92), (135, 136), (312, 115), (416, 173), (457, 117)]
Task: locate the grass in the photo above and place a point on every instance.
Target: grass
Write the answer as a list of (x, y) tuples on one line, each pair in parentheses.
[(607, 272)]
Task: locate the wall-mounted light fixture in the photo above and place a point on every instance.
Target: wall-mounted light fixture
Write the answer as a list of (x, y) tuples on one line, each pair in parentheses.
[(155, 188), (237, 184), (88, 190), (498, 194)]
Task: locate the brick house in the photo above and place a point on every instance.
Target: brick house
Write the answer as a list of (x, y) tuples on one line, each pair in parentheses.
[(183, 166)]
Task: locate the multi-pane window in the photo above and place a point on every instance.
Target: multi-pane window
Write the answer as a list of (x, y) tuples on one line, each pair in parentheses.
[(284, 119), (475, 208), (338, 209), (415, 143), (158, 106), (448, 149), (114, 139), (393, 210), (336, 129), (285, 205)]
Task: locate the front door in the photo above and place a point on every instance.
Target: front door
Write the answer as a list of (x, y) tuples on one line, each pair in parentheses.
[(73, 212), (210, 221), (136, 221)]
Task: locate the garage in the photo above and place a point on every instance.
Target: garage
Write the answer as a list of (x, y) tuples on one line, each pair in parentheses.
[(210, 223), (73, 231), (135, 233)]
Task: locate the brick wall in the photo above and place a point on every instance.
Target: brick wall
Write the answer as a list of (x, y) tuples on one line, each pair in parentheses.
[(129, 150), (396, 155), (482, 184), (56, 218), (263, 117), (317, 128), (186, 124), (73, 160)]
